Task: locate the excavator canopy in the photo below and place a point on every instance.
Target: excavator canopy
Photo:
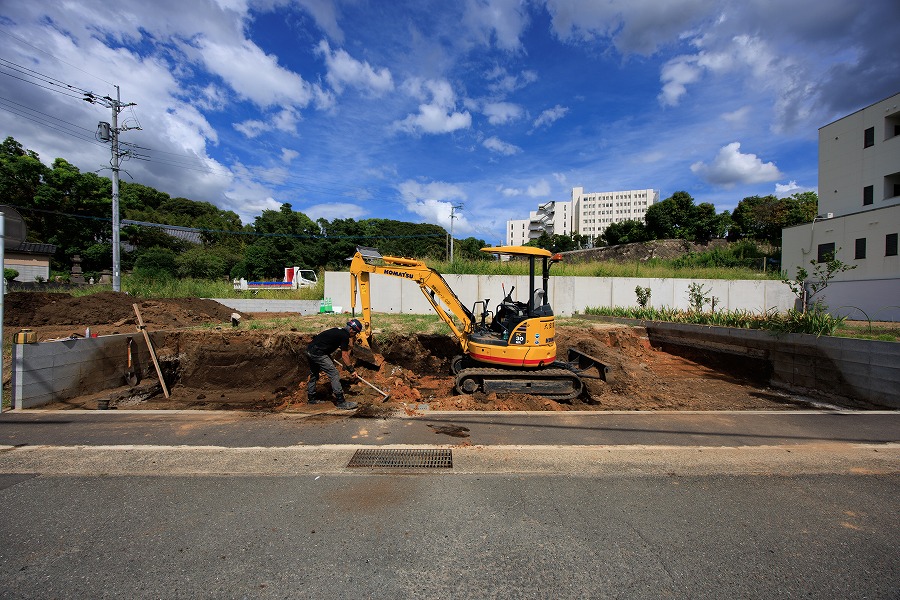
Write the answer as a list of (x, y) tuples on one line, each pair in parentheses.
[(517, 250)]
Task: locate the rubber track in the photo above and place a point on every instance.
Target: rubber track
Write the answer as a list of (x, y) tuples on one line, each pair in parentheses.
[(542, 374)]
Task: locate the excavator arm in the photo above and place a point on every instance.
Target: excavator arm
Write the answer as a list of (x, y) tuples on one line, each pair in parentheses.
[(443, 300)]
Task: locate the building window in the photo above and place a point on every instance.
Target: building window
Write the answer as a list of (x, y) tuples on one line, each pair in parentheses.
[(868, 195), (869, 137), (892, 126), (890, 244), (860, 249), (826, 252)]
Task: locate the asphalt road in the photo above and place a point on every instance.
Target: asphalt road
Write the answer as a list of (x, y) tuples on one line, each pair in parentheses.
[(649, 505)]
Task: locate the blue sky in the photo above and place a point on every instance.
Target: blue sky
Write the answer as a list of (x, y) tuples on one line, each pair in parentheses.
[(402, 109)]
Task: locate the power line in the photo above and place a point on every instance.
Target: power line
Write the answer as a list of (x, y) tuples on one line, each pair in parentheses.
[(41, 50), (228, 231), (53, 84)]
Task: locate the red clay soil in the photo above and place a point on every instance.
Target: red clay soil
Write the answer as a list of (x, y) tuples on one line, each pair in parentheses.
[(245, 369)]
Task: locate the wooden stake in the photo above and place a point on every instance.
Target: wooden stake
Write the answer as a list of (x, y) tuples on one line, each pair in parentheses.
[(150, 347)]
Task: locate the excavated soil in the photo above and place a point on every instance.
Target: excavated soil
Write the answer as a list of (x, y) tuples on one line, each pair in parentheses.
[(219, 367)]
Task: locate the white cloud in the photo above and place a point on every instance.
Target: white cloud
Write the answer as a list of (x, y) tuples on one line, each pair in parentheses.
[(252, 128), (737, 117), (539, 190), (731, 167), (344, 70), (675, 76), (433, 202), (499, 113), (324, 13), (496, 145), (500, 21), (288, 155), (791, 188), (437, 116), (633, 26), (502, 82), (550, 115), (255, 75)]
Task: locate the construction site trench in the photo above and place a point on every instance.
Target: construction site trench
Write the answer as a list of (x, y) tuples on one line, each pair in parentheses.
[(209, 364)]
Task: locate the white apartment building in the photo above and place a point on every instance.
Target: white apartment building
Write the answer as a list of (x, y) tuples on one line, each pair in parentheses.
[(585, 214), (859, 214), (550, 218)]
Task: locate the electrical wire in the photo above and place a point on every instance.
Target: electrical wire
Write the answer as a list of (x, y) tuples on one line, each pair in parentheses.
[(227, 231), (41, 50)]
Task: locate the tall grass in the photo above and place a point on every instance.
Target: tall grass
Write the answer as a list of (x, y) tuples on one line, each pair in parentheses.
[(816, 322), (653, 268)]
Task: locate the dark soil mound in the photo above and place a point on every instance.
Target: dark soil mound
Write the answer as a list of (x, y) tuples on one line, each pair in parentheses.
[(38, 309)]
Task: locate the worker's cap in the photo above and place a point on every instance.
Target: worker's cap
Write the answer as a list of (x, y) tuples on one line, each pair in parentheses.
[(354, 325)]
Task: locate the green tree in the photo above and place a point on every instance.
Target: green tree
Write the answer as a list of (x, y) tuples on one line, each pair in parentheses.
[(74, 211), (156, 262), (286, 239), (763, 217), (204, 263), (624, 232), (21, 175), (707, 225), (677, 217), (470, 249), (671, 218), (554, 243)]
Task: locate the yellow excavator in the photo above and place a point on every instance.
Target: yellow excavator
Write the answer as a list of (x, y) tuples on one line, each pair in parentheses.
[(509, 350)]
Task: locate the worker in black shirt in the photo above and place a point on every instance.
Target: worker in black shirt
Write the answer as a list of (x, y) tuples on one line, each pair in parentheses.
[(319, 355)]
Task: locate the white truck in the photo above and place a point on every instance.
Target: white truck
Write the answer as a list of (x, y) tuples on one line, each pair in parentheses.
[(294, 278)]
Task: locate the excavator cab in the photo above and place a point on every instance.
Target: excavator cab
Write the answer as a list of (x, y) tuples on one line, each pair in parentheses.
[(520, 334)]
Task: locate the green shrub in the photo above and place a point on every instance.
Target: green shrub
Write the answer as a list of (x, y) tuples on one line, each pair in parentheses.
[(155, 263)]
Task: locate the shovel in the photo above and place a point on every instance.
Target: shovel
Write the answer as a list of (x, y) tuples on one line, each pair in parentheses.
[(130, 375), (386, 395)]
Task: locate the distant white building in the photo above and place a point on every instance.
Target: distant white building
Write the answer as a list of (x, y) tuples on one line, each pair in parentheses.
[(587, 214), (859, 213)]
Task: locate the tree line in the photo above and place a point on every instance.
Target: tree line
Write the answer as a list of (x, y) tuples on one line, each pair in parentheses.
[(72, 210), (755, 218)]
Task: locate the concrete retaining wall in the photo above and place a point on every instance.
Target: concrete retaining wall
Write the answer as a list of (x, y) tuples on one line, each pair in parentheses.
[(866, 370), (252, 305), (567, 295), (56, 371)]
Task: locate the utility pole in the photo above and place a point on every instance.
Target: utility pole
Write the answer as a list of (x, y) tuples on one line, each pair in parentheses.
[(105, 133), (453, 209)]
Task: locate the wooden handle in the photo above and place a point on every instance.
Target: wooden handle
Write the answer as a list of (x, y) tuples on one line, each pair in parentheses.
[(143, 329)]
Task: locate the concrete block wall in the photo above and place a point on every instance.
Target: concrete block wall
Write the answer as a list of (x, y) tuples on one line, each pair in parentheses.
[(867, 370), (251, 305), (568, 295), (55, 371)]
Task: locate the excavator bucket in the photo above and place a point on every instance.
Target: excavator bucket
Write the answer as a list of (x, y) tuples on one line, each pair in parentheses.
[(370, 356), (580, 363)]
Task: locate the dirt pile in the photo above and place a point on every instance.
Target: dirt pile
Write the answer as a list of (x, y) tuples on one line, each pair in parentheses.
[(107, 309), (642, 251)]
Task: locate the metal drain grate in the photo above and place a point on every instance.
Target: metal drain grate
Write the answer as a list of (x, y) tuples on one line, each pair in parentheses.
[(404, 459)]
